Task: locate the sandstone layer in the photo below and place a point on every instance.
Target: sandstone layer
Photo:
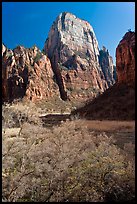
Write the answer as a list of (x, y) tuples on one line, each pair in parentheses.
[(125, 59), (26, 73), (73, 50)]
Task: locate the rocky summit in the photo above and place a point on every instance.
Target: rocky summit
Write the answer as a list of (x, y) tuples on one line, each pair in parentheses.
[(26, 73), (73, 50)]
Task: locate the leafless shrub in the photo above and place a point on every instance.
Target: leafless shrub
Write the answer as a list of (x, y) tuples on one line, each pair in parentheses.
[(16, 114), (65, 163)]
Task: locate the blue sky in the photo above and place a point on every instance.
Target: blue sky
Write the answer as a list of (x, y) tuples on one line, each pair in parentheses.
[(28, 23)]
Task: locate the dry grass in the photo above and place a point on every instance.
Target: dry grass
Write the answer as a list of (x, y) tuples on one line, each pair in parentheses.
[(122, 131), (109, 125)]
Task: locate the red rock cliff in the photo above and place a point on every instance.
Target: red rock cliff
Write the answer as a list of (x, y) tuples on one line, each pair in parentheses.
[(125, 59), (26, 73)]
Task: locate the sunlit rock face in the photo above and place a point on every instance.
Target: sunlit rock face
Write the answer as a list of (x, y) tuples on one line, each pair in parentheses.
[(125, 59), (26, 73), (107, 66), (74, 53), (71, 67)]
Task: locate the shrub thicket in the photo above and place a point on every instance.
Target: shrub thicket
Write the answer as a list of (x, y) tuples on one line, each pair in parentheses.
[(64, 164)]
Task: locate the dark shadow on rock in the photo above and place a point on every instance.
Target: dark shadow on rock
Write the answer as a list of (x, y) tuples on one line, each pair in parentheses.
[(54, 119)]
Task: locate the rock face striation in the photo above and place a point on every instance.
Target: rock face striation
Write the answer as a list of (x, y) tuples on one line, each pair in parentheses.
[(73, 50), (108, 68), (125, 59), (26, 73)]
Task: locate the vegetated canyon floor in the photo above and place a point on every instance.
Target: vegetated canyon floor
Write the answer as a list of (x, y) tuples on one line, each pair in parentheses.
[(59, 127), (54, 113), (122, 131)]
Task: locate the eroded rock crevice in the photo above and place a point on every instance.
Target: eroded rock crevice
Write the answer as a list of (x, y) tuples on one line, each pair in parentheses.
[(26, 73)]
